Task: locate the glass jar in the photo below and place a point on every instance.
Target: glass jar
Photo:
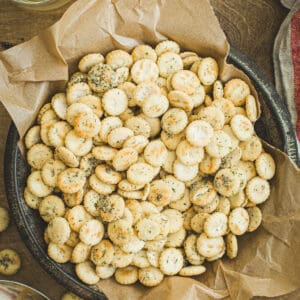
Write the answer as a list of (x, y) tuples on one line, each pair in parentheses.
[(40, 4)]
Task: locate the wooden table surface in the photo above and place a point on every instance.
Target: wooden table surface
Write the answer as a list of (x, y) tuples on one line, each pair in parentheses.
[(250, 26)]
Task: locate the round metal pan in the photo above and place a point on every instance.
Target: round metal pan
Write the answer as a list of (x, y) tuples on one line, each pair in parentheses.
[(274, 126)]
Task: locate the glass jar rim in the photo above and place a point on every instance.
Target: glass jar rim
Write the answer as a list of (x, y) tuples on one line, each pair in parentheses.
[(35, 3)]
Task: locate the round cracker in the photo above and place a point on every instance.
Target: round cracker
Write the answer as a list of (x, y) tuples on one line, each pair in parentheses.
[(36, 185), (265, 166), (171, 261), (258, 190), (174, 120), (238, 221), (71, 180), (38, 155)]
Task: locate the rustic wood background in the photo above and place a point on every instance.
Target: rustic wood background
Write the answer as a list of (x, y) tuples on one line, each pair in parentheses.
[(250, 25)]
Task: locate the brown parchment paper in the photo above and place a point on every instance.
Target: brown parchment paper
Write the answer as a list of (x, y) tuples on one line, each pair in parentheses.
[(268, 263)]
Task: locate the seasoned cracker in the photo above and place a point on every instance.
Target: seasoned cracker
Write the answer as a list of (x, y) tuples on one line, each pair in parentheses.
[(102, 253), (51, 170), (231, 245), (177, 187), (59, 253), (171, 140), (76, 108), (127, 275), (86, 272), (140, 173), (238, 200), (51, 207), (76, 217), (258, 190), (57, 133), (91, 232), (168, 164), (58, 230), (48, 116), (251, 108), (59, 105), (155, 153), (265, 166), (220, 144), (31, 200), (182, 204), (36, 185), (181, 100), (136, 143), (107, 174), (198, 220), (76, 91), (215, 225), (238, 221), (121, 258), (73, 199), (86, 125), (138, 125), (226, 106), (192, 271), (202, 192), (143, 51), (210, 165), (150, 276), (10, 262), (70, 296), (104, 152), (212, 115), (114, 102), (155, 105), (167, 46), (38, 155), (89, 60), (145, 90), (33, 136), (175, 219), (188, 154), (144, 70), (118, 58), (227, 182), (171, 261), (218, 90), (42, 110), (198, 96), (185, 81), (199, 133), (242, 127), (71, 180), (209, 247), (140, 259), (118, 136), (174, 120), (176, 239), (99, 186), (67, 157), (105, 271), (183, 172), (160, 193), (255, 218), (101, 77), (236, 90), (111, 208), (208, 70)]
